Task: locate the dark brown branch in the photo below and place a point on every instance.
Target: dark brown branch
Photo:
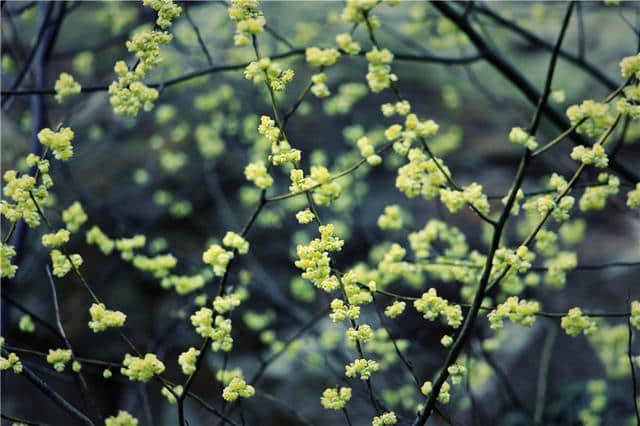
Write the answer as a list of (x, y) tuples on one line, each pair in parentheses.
[(471, 316), (507, 69), (233, 67), (51, 393)]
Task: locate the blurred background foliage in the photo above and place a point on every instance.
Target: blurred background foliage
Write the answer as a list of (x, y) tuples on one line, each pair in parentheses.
[(175, 174)]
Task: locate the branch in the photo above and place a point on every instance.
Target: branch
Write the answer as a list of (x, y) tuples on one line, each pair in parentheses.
[(233, 67), (505, 68), (83, 383), (52, 394), (537, 41), (469, 321)]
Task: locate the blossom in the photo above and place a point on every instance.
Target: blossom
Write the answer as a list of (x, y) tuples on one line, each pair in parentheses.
[(58, 142), (362, 367), (236, 241), (575, 322), (257, 173), (321, 57), (347, 44), (237, 388), (123, 418), (102, 318), (335, 399), (218, 258), (187, 361), (141, 369), (66, 86), (59, 358)]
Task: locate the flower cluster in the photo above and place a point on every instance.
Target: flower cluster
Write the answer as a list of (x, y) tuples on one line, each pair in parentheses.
[(321, 57), (633, 197), (628, 105), (392, 218), (557, 268), (595, 197), (265, 69), (519, 259), (122, 419), (547, 204), (319, 88), (431, 306), (218, 258), (159, 265), (58, 142), (395, 309), (630, 66), (102, 318), (224, 304), (335, 399), (59, 358), (314, 260), (61, 264), (380, 76), (362, 367), (304, 216), (55, 239), (236, 242), (575, 322), (519, 136), (257, 173), (183, 284), (20, 189), (326, 189), (355, 10), (471, 194), (357, 293), (96, 236), (595, 155), (187, 361), (167, 11), (74, 217), (368, 151), (341, 311), (592, 118), (171, 394), (414, 129), (128, 93), (11, 362), (519, 311), (443, 397), (385, 419), (7, 269), (421, 176), (126, 246), (26, 324), (457, 373), (66, 86), (446, 341), (218, 330), (237, 388), (248, 18), (268, 129), (362, 334), (141, 369), (347, 44)]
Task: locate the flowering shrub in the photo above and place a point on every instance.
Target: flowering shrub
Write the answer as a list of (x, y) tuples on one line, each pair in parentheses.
[(247, 200)]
